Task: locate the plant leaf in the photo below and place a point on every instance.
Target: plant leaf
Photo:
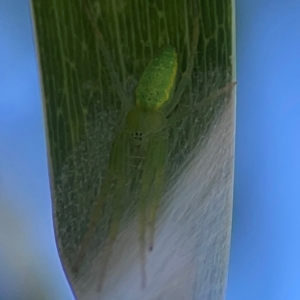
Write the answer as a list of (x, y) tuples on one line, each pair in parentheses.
[(83, 109)]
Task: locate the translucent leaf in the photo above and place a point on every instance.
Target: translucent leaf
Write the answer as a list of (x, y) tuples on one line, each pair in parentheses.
[(92, 55)]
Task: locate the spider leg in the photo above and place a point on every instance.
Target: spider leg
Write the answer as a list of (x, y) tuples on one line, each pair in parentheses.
[(152, 183), (158, 189), (97, 211), (114, 229), (113, 186), (186, 76), (106, 55), (178, 116)]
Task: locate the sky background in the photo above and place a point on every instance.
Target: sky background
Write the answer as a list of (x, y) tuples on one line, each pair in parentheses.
[(265, 251)]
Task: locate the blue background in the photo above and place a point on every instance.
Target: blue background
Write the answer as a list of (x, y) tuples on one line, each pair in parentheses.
[(265, 252)]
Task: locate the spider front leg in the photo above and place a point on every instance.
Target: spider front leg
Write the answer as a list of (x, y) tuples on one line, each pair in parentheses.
[(151, 187), (113, 188)]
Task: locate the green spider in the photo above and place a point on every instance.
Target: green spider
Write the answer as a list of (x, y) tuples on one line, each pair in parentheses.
[(143, 141)]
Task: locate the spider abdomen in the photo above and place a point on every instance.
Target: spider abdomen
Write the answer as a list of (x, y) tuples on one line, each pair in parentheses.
[(157, 83)]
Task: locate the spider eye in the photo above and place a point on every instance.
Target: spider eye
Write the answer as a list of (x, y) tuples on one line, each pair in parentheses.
[(137, 136)]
